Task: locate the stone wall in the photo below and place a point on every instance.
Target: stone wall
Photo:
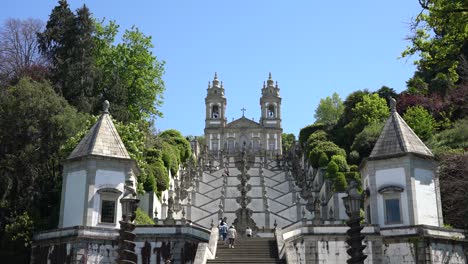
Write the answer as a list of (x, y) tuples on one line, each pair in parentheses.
[(154, 244), (301, 244)]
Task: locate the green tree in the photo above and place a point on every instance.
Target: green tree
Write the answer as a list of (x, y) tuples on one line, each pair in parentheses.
[(386, 92), (454, 139), (453, 185), (305, 132), (35, 122), (142, 218), (131, 76), (68, 43), (314, 139), (340, 161), (343, 133), (329, 110), (372, 109), (287, 140), (328, 147), (323, 160), (332, 170), (421, 121), (440, 40), (364, 141), (340, 184)]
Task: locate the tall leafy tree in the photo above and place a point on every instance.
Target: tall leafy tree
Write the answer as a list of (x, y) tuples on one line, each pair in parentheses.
[(329, 110), (287, 141), (421, 121), (68, 43), (131, 75), (439, 37), (34, 123)]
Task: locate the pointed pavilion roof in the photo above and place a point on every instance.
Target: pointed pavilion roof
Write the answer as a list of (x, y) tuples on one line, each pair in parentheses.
[(397, 139), (101, 140)]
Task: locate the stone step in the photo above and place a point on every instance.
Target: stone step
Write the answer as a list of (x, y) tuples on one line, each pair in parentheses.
[(248, 250)]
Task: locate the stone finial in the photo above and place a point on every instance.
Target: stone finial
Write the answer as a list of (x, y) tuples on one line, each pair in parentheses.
[(215, 80), (209, 85), (222, 85), (264, 85), (105, 106), (270, 80), (392, 104)]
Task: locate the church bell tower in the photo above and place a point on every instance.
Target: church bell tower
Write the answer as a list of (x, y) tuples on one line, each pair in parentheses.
[(215, 103), (270, 104)]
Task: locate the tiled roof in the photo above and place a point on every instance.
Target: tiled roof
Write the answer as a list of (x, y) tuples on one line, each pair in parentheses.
[(101, 140), (397, 138)]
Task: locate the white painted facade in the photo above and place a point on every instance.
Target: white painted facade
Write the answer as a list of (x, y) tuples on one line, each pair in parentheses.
[(392, 177), (74, 198), (112, 180), (426, 197)]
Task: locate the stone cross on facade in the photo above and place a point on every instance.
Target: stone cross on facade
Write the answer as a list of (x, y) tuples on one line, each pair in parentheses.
[(243, 110)]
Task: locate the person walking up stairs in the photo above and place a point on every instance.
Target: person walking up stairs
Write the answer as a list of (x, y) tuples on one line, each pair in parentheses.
[(248, 250)]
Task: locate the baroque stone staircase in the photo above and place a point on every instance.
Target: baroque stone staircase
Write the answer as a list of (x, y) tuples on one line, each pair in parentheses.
[(248, 250), (272, 195)]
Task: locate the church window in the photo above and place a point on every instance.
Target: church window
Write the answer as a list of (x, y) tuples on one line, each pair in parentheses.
[(392, 211), (214, 145), (271, 111), (256, 145), (108, 210), (231, 146), (215, 111), (271, 144)]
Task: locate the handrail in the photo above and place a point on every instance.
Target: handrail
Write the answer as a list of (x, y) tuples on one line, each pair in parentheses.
[(205, 250)]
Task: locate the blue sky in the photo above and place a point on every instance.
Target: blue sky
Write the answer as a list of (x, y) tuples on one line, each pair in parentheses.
[(312, 48)]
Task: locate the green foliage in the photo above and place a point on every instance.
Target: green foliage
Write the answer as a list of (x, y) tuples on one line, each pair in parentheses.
[(332, 170), (372, 109), (455, 138), (453, 185), (175, 138), (386, 92), (21, 229), (142, 218), (131, 76), (158, 177), (328, 147), (344, 132), (134, 139), (364, 141), (340, 184), (356, 176), (39, 122), (323, 160), (68, 43), (421, 121), (329, 110), (354, 168), (314, 139), (340, 161), (307, 131), (354, 157), (287, 140), (439, 37)]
